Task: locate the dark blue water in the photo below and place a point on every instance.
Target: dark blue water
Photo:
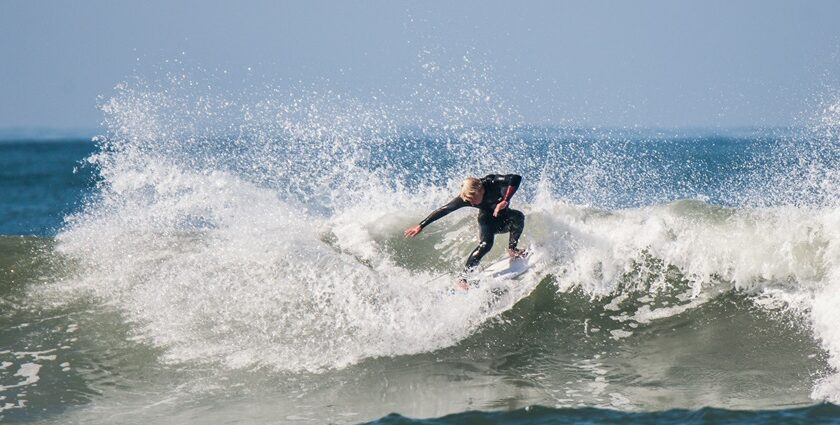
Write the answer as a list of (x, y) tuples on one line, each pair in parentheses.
[(41, 182), (627, 168), (44, 181), (818, 414)]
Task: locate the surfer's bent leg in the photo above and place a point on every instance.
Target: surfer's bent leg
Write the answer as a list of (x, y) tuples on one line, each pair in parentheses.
[(515, 224), (486, 233)]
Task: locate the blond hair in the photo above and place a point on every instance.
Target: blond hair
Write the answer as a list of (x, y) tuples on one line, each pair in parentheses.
[(470, 187)]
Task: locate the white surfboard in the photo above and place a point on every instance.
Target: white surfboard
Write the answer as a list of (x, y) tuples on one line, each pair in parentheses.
[(495, 274), (500, 285), (508, 268)]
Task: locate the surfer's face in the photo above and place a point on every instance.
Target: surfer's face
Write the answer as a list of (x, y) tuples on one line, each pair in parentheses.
[(477, 198)]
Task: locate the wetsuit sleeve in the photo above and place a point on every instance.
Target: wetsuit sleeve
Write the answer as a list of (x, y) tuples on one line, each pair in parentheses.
[(511, 180), (444, 210)]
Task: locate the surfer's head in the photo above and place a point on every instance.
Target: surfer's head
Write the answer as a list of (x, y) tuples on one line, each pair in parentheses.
[(472, 191)]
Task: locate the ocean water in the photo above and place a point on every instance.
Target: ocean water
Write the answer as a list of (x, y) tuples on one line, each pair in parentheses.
[(218, 260)]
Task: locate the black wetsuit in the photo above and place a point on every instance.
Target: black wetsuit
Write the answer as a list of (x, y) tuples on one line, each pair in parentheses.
[(513, 221)]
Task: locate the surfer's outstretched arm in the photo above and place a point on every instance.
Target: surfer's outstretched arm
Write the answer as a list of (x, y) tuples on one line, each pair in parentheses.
[(436, 215), (444, 210)]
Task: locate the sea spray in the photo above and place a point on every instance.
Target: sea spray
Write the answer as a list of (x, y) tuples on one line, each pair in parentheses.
[(227, 243)]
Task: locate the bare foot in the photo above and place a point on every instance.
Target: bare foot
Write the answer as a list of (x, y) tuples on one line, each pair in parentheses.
[(515, 252), (462, 284)]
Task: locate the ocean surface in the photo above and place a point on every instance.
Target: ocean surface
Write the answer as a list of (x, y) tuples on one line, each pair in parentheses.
[(208, 260)]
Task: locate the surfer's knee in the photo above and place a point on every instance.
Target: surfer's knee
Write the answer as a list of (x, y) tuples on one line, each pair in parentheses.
[(517, 222)]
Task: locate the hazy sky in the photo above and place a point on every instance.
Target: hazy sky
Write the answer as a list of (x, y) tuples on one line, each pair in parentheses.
[(622, 63)]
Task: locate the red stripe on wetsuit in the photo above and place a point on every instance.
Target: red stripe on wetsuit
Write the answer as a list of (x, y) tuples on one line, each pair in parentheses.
[(509, 193)]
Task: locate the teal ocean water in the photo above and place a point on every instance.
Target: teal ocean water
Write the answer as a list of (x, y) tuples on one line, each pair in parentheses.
[(210, 260), (818, 414)]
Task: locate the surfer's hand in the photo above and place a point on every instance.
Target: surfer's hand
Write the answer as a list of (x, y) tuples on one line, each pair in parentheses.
[(412, 231), (499, 207)]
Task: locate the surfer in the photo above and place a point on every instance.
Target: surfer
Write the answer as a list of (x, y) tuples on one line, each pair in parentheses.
[(491, 195)]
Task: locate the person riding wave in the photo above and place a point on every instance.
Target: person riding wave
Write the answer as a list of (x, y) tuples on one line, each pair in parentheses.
[(491, 195)]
